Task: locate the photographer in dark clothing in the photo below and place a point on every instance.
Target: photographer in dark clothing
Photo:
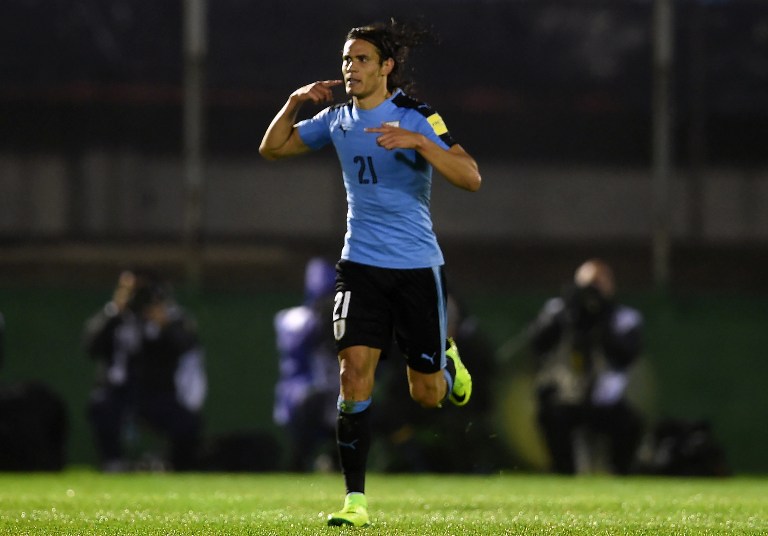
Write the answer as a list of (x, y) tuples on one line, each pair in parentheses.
[(584, 344), (151, 371)]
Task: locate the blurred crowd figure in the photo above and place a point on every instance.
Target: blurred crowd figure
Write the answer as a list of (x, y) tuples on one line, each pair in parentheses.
[(584, 344), (150, 373), (308, 383), (34, 423)]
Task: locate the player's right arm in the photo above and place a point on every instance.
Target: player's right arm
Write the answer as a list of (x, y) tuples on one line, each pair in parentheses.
[(282, 140)]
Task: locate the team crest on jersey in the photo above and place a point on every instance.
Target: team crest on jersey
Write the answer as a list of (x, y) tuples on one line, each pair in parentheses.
[(392, 123), (344, 128), (437, 124), (339, 328)]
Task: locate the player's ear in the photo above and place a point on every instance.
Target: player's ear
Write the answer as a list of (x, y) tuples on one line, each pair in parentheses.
[(386, 66)]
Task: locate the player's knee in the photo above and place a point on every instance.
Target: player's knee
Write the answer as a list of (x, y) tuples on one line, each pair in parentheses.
[(426, 394), (355, 385)]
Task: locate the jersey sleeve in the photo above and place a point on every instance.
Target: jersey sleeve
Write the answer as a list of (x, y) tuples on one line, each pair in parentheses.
[(436, 130), (424, 120), (315, 132)]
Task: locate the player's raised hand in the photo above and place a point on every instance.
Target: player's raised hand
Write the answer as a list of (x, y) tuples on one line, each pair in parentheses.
[(318, 92), (392, 137)]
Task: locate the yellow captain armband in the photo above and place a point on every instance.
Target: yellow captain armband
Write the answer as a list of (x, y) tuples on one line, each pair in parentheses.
[(438, 125)]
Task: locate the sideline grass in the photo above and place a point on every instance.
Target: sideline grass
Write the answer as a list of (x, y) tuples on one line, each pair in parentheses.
[(85, 502)]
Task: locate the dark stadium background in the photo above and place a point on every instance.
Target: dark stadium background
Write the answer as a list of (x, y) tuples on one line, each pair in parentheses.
[(548, 95)]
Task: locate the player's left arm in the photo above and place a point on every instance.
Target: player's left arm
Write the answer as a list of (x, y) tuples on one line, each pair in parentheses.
[(455, 164)]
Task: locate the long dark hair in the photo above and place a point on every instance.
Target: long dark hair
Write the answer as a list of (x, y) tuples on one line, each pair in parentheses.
[(395, 39)]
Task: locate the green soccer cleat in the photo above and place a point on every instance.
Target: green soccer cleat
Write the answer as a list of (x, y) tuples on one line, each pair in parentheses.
[(354, 513), (462, 384)]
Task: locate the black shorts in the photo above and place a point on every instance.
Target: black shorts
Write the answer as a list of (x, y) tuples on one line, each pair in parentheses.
[(372, 304)]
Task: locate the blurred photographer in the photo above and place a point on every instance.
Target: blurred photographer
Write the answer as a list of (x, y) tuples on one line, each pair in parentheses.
[(150, 371), (308, 385), (584, 344)]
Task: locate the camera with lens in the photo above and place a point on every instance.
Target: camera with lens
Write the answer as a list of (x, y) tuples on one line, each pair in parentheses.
[(586, 306), (149, 291)]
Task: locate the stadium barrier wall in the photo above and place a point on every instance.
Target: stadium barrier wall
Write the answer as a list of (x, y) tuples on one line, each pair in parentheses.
[(131, 195)]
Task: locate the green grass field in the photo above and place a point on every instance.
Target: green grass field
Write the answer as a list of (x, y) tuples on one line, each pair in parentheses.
[(85, 502)]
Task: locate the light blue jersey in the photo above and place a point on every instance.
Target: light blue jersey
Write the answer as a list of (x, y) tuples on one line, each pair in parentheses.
[(388, 192)]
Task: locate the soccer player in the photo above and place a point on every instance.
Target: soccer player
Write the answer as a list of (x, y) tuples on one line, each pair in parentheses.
[(390, 277)]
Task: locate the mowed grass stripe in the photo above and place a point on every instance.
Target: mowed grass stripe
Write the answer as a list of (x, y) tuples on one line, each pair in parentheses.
[(86, 502)]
